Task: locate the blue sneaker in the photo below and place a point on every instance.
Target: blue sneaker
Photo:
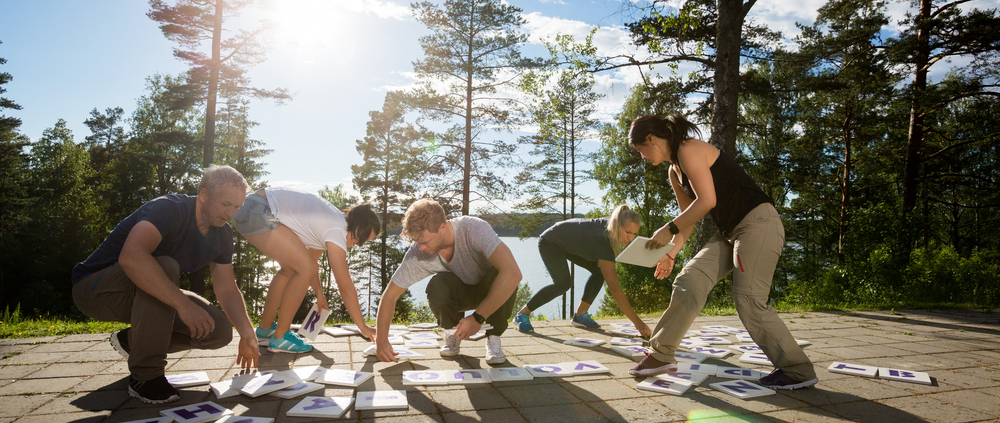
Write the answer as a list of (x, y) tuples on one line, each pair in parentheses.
[(264, 335), (523, 324), (290, 343), (585, 321)]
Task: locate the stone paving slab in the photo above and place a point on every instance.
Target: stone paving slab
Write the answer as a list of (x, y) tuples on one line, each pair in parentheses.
[(81, 378)]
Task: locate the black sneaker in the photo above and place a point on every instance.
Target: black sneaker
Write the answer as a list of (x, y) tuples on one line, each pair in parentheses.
[(779, 380), (154, 391), (119, 341)]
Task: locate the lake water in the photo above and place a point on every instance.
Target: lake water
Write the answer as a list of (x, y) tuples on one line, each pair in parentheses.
[(534, 274)]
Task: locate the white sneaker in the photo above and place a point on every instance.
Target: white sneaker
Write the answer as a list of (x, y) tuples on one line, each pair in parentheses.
[(494, 354), (452, 344)]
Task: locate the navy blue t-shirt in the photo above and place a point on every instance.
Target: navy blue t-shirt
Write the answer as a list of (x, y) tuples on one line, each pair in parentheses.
[(174, 216)]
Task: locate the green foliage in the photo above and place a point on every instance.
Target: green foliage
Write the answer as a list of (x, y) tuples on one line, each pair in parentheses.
[(14, 324)]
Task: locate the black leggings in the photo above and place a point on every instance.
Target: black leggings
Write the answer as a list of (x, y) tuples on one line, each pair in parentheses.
[(555, 259)]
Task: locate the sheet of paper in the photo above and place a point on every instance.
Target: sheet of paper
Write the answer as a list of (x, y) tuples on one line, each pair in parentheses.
[(637, 254)]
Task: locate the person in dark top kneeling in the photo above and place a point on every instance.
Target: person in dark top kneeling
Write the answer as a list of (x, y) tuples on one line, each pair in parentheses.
[(134, 276)]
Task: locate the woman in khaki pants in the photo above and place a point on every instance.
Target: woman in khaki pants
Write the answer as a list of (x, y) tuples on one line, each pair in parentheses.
[(749, 242)]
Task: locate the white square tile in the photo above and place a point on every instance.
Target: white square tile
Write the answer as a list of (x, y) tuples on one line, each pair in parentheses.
[(742, 389), (477, 336), (161, 419), (585, 367), (308, 373), (244, 419), (853, 369), (623, 325), (722, 328), (397, 340), (313, 324), (501, 374), (803, 342), (352, 328), (904, 375), (626, 341), (196, 413), (713, 352), (632, 352), (756, 358), (711, 340), (329, 407), (548, 370), (342, 377), (688, 344), (584, 342), (391, 333), (689, 377), (737, 373), (690, 357), (188, 379), (663, 386), (267, 383), (399, 327), (422, 343), (747, 348), (418, 336), (338, 332), (300, 388), (624, 332), (707, 332), (744, 338), (470, 376), (422, 326), (406, 353), (231, 388), (381, 400), (709, 369), (428, 377)]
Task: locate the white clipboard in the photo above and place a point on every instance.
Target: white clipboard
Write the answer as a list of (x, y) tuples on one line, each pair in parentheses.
[(637, 254)]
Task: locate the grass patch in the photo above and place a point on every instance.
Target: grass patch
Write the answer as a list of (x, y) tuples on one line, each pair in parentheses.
[(15, 325)]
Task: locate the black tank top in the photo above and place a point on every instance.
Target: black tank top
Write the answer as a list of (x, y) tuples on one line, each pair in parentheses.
[(735, 193)]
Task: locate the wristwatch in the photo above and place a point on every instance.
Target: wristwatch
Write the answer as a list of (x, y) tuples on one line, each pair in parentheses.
[(673, 228), (479, 319)]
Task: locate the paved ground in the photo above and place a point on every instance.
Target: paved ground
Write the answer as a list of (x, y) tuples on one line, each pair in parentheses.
[(80, 378)]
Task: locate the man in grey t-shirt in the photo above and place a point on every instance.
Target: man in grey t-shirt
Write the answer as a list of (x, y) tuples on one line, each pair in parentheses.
[(472, 270)]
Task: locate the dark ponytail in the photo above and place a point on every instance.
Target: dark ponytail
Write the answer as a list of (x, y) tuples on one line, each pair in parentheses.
[(361, 221), (674, 128)]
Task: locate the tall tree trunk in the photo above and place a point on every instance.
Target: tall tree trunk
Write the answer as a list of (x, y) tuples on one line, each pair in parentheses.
[(845, 184), (213, 85), (915, 139)]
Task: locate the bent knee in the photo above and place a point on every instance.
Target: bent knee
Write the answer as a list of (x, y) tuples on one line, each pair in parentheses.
[(171, 268)]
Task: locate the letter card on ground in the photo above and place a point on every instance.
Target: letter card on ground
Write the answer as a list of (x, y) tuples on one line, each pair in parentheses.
[(853, 369), (197, 413), (742, 389), (664, 386), (381, 400), (329, 407)]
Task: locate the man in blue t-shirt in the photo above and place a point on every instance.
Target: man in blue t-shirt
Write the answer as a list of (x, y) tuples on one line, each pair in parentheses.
[(134, 277)]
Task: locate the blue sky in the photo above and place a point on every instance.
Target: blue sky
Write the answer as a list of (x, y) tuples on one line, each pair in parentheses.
[(338, 57)]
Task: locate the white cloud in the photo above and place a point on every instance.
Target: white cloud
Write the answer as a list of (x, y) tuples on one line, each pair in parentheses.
[(382, 9)]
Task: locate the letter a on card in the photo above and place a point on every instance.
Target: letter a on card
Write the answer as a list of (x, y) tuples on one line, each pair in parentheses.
[(329, 407)]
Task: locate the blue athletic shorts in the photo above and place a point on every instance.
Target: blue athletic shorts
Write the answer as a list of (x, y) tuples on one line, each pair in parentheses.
[(255, 216)]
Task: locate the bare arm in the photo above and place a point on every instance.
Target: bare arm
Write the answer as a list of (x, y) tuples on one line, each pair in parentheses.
[(348, 292), (611, 277), (383, 319), (145, 272), (692, 210), (231, 300)]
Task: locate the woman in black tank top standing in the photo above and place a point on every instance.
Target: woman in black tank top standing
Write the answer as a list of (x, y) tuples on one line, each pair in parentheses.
[(749, 242)]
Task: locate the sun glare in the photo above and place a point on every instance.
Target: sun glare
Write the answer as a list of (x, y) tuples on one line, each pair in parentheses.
[(308, 26)]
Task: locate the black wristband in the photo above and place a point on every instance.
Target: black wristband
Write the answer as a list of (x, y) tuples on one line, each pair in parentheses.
[(673, 228), (479, 319)]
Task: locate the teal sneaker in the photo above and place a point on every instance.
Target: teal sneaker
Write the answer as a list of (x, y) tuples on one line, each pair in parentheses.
[(523, 324), (290, 343), (264, 335), (585, 321)]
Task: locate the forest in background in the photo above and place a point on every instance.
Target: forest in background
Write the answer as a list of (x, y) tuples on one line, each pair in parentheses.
[(886, 180)]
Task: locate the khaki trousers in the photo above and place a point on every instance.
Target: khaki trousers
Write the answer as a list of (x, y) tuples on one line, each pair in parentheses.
[(109, 295), (752, 255)]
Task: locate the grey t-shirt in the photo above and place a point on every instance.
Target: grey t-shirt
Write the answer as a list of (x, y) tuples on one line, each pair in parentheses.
[(475, 241), (587, 238)]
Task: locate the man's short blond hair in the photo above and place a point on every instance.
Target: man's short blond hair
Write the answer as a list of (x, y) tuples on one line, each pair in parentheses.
[(423, 215)]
